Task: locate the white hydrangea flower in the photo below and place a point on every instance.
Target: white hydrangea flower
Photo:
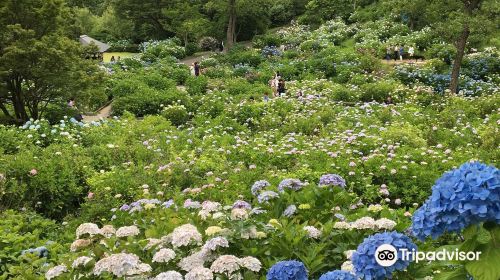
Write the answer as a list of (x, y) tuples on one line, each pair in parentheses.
[(121, 264), (250, 263), (193, 261), (164, 256), (81, 261), (342, 225), (108, 231), (226, 264), (152, 242), (185, 235), (313, 232), (199, 273), (348, 254), (55, 271), (87, 228), (239, 214), (140, 269), (169, 275), (127, 231), (385, 223), (79, 244), (214, 243), (210, 206), (364, 223), (347, 266)]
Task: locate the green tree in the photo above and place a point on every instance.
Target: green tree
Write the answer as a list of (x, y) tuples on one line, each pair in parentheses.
[(38, 64)]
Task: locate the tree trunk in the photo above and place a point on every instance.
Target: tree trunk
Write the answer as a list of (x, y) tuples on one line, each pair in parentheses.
[(4, 110), (469, 7), (231, 27), (457, 63)]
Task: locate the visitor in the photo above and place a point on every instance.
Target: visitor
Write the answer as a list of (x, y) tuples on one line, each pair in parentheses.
[(281, 88), (388, 53), (72, 105), (388, 101), (401, 53), (118, 59), (411, 52), (112, 58), (221, 46), (396, 52), (196, 69), (300, 94), (266, 97), (71, 102), (272, 85)]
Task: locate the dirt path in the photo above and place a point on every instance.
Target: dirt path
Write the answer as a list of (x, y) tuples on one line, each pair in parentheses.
[(404, 61), (104, 113)]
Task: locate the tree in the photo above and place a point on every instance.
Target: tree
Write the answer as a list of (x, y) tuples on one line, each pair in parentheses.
[(38, 64), (251, 15)]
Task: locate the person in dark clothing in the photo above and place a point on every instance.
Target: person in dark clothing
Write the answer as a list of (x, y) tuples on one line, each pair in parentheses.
[(281, 87), (196, 69)]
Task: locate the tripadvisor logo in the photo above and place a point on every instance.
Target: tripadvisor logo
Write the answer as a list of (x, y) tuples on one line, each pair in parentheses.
[(386, 255)]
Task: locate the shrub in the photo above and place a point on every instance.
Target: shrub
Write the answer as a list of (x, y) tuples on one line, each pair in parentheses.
[(176, 114), (146, 101), (197, 85), (378, 91), (209, 44)]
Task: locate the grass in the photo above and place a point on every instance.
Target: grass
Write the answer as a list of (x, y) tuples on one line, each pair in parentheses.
[(107, 56)]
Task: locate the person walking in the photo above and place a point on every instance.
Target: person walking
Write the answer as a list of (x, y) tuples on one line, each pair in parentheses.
[(197, 69), (281, 88), (388, 53), (396, 52), (112, 59), (411, 52), (401, 53)]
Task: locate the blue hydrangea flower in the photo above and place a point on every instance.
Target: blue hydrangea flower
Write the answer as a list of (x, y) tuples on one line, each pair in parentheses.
[(266, 196), (339, 216), (363, 260), (41, 252), (287, 270), (331, 180), (290, 210), (461, 197), (258, 186), (338, 275), (293, 184), (169, 203)]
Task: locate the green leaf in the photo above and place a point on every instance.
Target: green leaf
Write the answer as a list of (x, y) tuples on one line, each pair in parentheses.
[(470, 231), (457, 274), (487, 267), (483, 236)]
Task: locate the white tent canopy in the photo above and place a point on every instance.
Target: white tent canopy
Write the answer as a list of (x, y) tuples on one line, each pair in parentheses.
[(86, 40)]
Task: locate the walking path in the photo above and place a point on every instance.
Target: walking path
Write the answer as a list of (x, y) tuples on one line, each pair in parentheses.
[(103, 113), (106, 111)]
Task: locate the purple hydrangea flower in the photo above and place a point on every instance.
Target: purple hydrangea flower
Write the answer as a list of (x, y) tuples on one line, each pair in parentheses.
[(293, 184), (242, 204), (169, 203), (332, 180), (266, 196), (125, 207), (461, 197), (290, 210), (258, 186)]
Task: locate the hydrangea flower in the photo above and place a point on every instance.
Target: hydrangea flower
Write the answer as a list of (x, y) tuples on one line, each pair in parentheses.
[(331, 180), (242, 204), (461, 197), (365, 265), (290, 210), (338, 275), (266, 196), (287, 270), (293, 184), (258, 186)]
